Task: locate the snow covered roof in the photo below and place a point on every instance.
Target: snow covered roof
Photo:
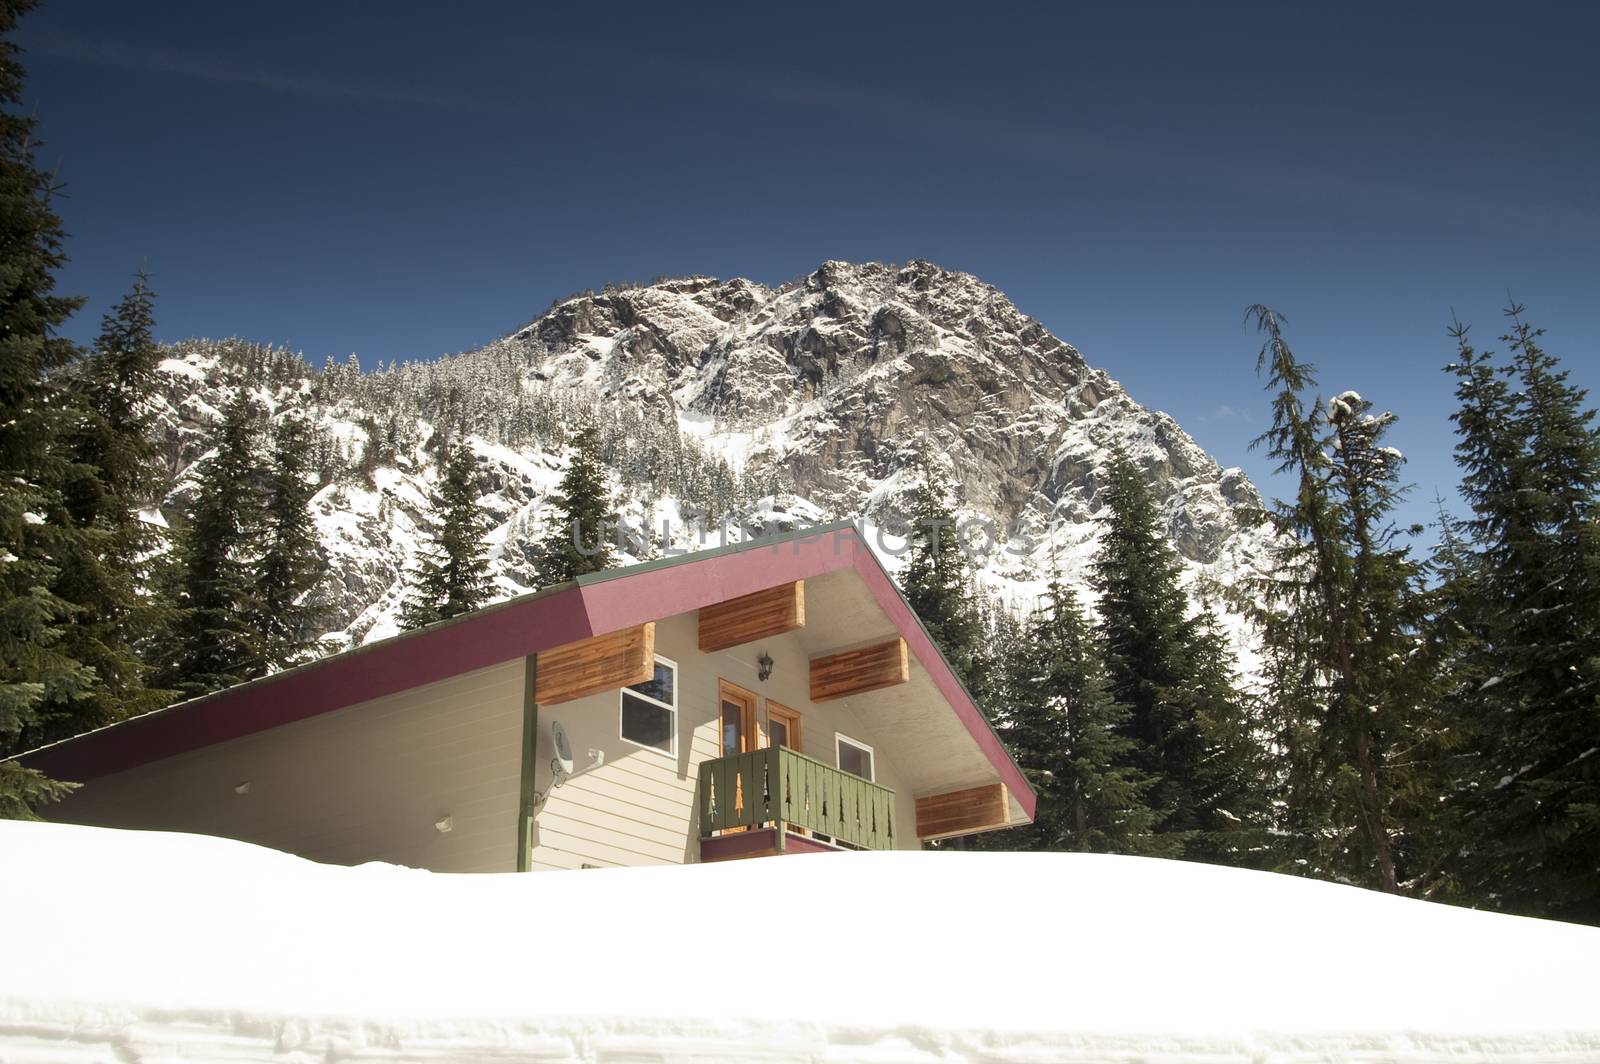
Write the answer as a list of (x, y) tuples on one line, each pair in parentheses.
[(211, 949), (590, 605)]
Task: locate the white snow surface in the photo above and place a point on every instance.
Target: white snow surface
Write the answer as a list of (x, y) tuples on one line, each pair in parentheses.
[(147, 946)]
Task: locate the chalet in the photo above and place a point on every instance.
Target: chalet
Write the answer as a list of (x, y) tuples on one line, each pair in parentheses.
[(773, 697)]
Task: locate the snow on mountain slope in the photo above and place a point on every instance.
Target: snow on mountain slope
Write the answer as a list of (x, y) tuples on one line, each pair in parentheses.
[(210, 949), (727, 396)]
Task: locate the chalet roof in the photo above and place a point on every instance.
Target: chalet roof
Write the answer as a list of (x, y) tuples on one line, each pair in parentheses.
[(593, 604)]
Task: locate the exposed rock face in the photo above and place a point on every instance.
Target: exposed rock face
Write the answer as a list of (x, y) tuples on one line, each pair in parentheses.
[(824, 384)]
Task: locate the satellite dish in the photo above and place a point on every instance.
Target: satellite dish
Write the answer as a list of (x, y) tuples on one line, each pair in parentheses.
[(561, 764)]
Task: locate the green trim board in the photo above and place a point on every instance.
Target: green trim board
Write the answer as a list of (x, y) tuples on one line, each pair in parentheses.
[(530, 752)]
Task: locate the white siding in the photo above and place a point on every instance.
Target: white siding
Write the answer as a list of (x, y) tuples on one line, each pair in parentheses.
[(364, 783), (638, 807)]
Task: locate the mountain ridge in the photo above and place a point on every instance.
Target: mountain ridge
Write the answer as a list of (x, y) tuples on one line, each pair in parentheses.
[(784, 403)]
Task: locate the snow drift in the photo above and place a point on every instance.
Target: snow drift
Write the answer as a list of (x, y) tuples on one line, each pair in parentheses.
[(138, 946)]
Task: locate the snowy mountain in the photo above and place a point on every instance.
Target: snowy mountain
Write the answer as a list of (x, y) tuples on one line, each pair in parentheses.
[(787, 404)]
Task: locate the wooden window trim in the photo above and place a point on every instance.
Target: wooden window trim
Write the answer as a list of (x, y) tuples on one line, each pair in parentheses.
[(748, 701), (791, 720)]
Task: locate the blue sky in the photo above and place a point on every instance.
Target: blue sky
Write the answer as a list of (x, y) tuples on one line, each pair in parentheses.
[(405, 180)]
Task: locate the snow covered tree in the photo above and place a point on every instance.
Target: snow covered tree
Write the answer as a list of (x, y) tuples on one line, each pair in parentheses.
[(36, 668), (1524, 602), (580, 533), (1340, 618), (214, 643), (291, 565), (452, 573)]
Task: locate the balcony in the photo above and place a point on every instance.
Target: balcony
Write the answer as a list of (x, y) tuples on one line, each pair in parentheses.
[(777, 800)]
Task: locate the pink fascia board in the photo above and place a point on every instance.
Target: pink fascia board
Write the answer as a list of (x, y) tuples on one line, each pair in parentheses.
[(474, 642), (759, 840), (477, 641), (602, 604), (921, 646), (615, 603)]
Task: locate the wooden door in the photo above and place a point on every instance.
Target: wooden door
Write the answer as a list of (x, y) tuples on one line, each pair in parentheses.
[(738, 719), (738, 732)]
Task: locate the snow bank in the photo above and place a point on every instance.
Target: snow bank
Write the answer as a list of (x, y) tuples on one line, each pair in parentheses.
[(153, 946)]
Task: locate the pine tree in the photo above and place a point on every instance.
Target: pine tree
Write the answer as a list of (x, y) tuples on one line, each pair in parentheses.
[(1232, 784), (34, 664), (1146, 634), (214, 643), (935, 579), (1340, 619), (112, 473), (291, 566), (1526, 680), (1066, 732), (580, 537), (452, 574)]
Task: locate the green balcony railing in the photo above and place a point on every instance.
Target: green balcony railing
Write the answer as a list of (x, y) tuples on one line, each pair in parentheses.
[(786, 789)]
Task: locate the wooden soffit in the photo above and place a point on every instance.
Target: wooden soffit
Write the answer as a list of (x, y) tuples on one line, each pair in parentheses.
[(942, 816), (852, 672), (754, 616), (599, 663)]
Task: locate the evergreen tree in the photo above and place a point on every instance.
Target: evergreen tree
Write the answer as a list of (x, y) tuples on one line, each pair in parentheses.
[(1340, 618), (1525, 681), (35, 667), (579, 540), (1067, 735), (1146, 634), (1232, 784), (935, 579), (452, 575), (291, 566), (214, 643), (112, 473)]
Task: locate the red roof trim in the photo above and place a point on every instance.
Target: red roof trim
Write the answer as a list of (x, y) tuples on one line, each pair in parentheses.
[(476, 642), (507, 632), (761, 841), (618, 602), (918, 641)]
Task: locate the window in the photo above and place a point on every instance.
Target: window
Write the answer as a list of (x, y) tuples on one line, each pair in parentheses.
[(650, 710), (738, 719), (854, 758), (783, 726)]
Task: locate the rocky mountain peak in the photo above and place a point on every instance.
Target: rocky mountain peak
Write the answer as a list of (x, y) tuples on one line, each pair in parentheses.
[(805, 398)]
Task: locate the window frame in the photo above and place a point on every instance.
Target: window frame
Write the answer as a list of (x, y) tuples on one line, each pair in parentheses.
[(872, 755), (750, 730), (672, 710), (792, 722)]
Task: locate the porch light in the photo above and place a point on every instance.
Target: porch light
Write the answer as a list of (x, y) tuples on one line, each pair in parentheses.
[(764, 667)]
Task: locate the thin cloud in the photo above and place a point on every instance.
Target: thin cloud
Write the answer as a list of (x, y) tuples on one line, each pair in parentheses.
[(1127, 158), (166, 62), (1121, 158)]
